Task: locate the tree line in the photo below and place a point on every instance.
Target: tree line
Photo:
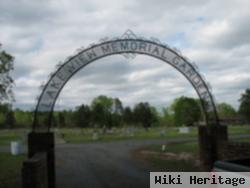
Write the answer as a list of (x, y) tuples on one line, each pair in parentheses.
[(108, 112)]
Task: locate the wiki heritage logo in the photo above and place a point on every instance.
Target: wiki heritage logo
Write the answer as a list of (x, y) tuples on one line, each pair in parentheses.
[(201, 179)]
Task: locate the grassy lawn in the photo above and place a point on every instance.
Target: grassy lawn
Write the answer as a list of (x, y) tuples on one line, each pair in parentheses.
[(189, 147), (238, 130), (243, 140), (171, 165), (76, 135), (159, 161), (6, 136), (10, 170), (165, 164), (139, 134)]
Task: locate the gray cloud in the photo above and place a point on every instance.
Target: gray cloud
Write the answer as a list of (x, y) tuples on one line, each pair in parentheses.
[(24, 13), (214, 34)]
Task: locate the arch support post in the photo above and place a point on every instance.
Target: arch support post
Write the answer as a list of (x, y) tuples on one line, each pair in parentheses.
[(209, 139), (44, 142)]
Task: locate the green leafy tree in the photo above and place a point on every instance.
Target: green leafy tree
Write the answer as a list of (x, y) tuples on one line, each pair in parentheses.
[(69, 116), (4, 108), (244, 109), (54, 120), (117, 106), (155, 116), (61, 119), (127, 115), (107, 111), (116, 119), (186, 111), (167, 118), (102, 107), (10, 119), (6, 84), (143, 115), (104, 101), (82, 116), (2, 120), (23, 118), (99, 115), (4, 114), (117, 111), (6, 81), (226, 111)]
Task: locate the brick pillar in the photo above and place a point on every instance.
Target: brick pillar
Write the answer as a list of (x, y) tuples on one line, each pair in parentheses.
[(209, 139), (34, 172), (222, 133), (205, 148), (44, 142)]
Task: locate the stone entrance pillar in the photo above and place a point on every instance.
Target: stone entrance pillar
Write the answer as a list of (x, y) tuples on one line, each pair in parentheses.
[(44, 142), (209, 140)]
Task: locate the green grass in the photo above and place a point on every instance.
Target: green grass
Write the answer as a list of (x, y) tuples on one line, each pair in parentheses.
[(237, 130), (162, 164), (243, 140), (10, 170), (76, 135), (189, 147), (159, 163), (6, 136), (171, 165)]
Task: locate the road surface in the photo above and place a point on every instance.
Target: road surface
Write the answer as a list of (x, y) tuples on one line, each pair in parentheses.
[(102, 165)]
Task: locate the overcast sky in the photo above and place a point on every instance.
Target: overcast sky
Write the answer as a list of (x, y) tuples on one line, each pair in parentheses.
[(213, 34)]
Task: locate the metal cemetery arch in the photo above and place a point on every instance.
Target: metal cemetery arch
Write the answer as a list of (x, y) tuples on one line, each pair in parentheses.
[(128, 46)]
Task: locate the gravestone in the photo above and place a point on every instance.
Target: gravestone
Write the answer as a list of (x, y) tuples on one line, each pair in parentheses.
[(15, 148), (163, 147), (95, 136), (162, 133), (184, 130)]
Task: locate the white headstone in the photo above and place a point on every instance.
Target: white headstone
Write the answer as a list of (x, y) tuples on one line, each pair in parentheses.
[(95, 136), (163, 147), (162, 132), (15, 148), (184, 130)]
